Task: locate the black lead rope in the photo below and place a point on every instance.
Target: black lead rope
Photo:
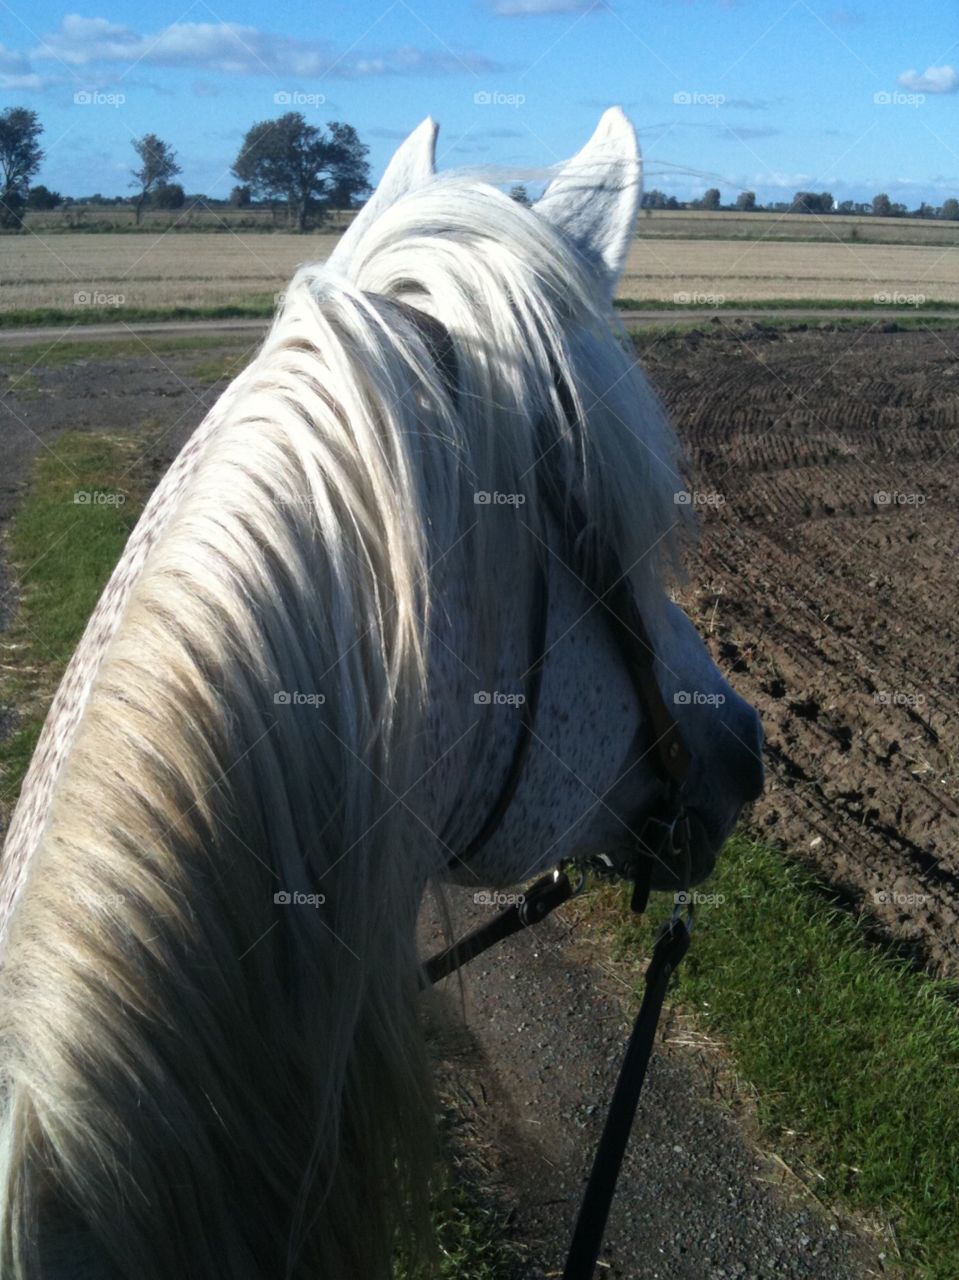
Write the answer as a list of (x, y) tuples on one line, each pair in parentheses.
[(671, 945), (538, 901)]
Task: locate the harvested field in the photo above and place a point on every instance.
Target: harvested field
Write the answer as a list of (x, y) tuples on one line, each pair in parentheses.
[(160, 270), (192, 269), (685, 224), (730, 225), (712, 272), (826, 583)]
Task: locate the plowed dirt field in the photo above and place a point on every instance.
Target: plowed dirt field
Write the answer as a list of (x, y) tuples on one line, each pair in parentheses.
[(825, 465)]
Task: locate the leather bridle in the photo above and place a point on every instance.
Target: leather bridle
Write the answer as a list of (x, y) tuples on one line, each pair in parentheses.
[(661, 836)]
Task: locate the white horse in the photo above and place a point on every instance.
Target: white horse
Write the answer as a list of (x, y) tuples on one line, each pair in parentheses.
[(294, 705)]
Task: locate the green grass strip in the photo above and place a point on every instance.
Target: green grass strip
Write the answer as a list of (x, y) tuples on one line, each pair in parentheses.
[(63, 351), (262, 306), (783, 304), (256, 307), (854, 1054), (82, 502)]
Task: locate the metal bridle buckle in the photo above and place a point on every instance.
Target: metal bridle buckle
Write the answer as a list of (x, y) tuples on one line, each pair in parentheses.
[(680, 847)]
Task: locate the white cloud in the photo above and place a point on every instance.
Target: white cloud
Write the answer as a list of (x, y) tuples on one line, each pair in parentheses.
[(537, 8), (12, 62), (16, 74), (232, 49), (23, 84), (932, 80)]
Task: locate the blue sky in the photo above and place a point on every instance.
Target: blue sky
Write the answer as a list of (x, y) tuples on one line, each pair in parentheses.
[(770, 95)]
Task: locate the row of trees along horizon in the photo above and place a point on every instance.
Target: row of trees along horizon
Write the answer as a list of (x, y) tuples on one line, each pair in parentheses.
[(307, 169), (290, 164)]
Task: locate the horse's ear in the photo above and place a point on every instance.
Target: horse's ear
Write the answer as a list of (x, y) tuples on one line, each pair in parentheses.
[(595, 197), (412, 165)]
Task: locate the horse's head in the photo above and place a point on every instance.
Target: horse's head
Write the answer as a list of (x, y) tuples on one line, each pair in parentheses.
[(585, 219)]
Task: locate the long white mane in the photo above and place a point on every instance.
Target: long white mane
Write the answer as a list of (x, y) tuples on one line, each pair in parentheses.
[(177, 1047)]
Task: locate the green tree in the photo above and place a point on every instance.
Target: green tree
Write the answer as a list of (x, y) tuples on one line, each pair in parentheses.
[(881, 205), (158, 164), (241, 197), (711, 198), (812, 202), (746, 201), (40, 198), (312, 170), (20, 158), (169, 195), (519, 193), (950, 210)]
